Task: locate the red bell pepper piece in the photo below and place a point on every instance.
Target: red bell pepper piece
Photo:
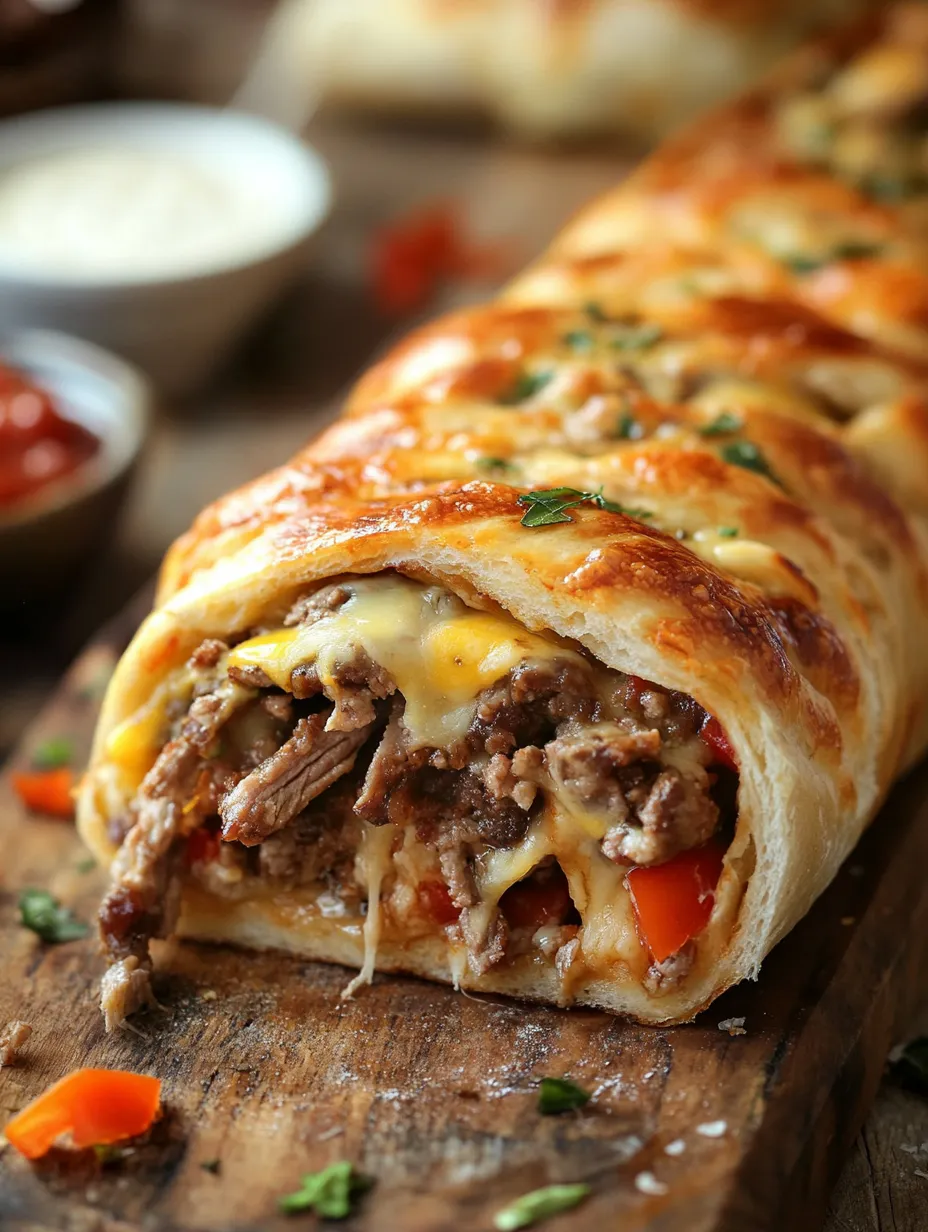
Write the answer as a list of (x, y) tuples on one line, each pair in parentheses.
[(712, 734), (673, 901), (90, 1107), (47, 791)]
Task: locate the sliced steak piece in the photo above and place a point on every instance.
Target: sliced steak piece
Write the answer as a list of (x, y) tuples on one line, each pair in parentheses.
[(271, 796), (388, 766)]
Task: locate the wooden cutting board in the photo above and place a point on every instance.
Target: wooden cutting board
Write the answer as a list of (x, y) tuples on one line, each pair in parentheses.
[(266, 1070)]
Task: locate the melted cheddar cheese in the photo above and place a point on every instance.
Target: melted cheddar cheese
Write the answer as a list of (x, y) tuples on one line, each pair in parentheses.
[(441, 654)]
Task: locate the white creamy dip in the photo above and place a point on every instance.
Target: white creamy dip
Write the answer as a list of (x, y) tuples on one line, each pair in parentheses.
[(116, 212)]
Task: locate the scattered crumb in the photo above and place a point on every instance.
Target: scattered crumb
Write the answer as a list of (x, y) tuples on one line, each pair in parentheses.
[(208, 995), (677, 1147), (712, 1129), (847, 920), (734, 1026), (12, 1037), (331, 1133), (12, 1096), (647, 1183)]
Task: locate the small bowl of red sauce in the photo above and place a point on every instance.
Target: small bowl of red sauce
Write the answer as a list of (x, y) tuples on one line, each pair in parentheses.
[(73, 419)]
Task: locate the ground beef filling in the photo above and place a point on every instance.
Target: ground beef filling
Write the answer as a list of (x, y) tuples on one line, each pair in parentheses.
[(279, 783)]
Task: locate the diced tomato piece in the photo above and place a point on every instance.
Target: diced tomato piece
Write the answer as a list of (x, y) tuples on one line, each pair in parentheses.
[(542, 898), (92, 1107), (712, 734), (437, 902), (673, 901), (202, 846), (47, 791)]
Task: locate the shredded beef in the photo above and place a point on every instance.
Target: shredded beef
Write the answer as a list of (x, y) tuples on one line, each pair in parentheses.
[(484, 948), (667, 975), (656, 811), (310, 608), (251, 676), (669, 813), (271, 796), (320, 845), (208, 653)]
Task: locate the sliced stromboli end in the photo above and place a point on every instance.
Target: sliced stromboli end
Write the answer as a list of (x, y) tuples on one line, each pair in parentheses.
[(544, 750)]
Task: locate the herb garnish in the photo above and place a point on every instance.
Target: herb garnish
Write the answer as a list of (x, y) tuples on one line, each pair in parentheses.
[(636, 337), (45, 916), (540, 1204), (578, 340), (727, 532), (594, 311), (526, 385), (746, 454), (887, 188), (850, 250), (722, 425), (331, 1193), (85, 866), (910, 1068), (497, 465), (560, 1095), (548, 505), (628, 428), (53, 753)]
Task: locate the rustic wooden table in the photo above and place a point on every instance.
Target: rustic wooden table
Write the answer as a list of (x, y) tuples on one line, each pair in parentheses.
[(287, 383)]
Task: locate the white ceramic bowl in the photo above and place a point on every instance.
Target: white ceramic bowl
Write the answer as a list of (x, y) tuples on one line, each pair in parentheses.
[(176, 326), (47, 538)]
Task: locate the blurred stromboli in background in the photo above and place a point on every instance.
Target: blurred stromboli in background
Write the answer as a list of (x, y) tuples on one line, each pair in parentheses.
[(540, 67)]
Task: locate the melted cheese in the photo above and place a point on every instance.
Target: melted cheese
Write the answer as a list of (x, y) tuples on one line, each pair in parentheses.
[(375, 857), (440, 653)]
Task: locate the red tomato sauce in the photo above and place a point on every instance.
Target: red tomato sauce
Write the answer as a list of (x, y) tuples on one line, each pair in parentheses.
[(37, 445)]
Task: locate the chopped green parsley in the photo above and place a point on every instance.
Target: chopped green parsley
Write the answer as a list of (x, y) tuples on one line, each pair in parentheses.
[(560, 1095), (331, 1193), (44, 915), (548, 506), (540, 1204)]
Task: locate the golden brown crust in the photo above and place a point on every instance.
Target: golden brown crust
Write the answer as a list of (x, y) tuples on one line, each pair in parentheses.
[(770, 562), (812, 185)]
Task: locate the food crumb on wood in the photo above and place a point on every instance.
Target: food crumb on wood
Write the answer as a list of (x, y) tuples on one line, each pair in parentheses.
[(677, 1147), (209, 995), (647, 1183), (734, 1026), (847, 920), (712, 1129), (12, 1038)]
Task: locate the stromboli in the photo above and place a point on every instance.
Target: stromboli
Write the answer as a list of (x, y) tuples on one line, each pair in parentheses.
[(547, 684)]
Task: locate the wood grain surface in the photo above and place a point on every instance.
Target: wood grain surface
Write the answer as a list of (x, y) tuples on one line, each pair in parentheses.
[(433, 1093)]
